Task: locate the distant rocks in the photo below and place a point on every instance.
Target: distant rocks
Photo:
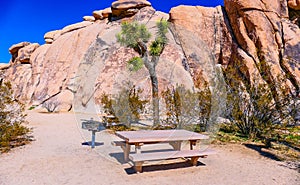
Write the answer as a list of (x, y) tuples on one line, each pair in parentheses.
[(89, 18), (106, 12), (98, 14), (13, 50), (118, 10), (22, 51), (125, 8), (75, 26), (102, 14), (52, 36)]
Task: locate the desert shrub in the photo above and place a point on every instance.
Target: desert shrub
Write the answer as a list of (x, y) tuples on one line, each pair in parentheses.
[(126, 106), (51, 105), (185, 108), (12, 132), (258, 111)]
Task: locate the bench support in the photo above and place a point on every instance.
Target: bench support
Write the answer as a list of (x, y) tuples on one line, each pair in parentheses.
[(194, 160), (192, 143), (126, 150), (125, 147), (139, 158), (138, 166)]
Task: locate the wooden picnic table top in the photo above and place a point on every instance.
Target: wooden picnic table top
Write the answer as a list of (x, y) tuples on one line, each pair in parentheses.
[(148, 136)]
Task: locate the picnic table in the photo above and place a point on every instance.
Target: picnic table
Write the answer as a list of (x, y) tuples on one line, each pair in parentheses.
[(173, 137)]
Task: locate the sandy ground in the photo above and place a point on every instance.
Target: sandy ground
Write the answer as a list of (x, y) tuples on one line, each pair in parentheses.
[(58, 156)]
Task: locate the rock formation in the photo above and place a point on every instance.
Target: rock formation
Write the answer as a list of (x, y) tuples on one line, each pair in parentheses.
[(294, 4), (253, 41), (21, 52)]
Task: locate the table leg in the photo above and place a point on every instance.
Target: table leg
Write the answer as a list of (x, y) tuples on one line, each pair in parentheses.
[(93, 138), (126, 152), (138, 148), (192, 143)]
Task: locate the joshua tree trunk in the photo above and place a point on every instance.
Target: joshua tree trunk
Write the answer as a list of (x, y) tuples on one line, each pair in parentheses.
[(154, 84), (155, 98)]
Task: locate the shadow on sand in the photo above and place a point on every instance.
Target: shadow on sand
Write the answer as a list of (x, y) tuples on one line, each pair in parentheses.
[(89, 143), (259, 148), (119, 157)]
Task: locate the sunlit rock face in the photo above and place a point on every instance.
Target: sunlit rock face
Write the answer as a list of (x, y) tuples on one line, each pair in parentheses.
[(253, 42)]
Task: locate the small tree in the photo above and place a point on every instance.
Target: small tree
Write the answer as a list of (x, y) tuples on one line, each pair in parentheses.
[(126, 106), (12, 132), (136, 36), (205, 106), (185, 107), (135, 103)]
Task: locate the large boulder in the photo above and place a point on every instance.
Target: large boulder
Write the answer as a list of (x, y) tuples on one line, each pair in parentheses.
[(294, 4), (24, 53), (21, 52), (98, 14), (102, 14), (75, 26), (127, 8), (106, 12), (52, 36), (14, 49), (260, 28), (89, 18)]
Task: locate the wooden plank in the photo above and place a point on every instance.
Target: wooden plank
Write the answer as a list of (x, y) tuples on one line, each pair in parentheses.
[(169, 155), (118, 143), (148, 136)]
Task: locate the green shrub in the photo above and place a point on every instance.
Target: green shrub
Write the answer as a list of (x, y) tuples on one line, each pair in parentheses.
[(185, 108), (126, 106), (12, 132)]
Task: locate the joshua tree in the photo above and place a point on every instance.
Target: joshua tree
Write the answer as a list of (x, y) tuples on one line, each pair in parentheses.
[(136, 36)]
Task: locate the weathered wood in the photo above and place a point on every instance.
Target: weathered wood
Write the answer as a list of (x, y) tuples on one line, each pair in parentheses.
[(192, 143), (194, 160), (118, 143), (169, 155), (151, 136), (125, 147), (139, 158), (138, 166), (126, 150)]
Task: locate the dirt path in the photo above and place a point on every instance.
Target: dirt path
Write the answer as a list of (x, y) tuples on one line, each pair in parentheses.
[(57, 156)]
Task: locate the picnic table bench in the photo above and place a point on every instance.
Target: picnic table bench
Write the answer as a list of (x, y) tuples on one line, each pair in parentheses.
[(173, 137), (140, 158)]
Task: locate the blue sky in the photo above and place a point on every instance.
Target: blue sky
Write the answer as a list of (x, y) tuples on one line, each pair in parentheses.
[(29, 20)]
